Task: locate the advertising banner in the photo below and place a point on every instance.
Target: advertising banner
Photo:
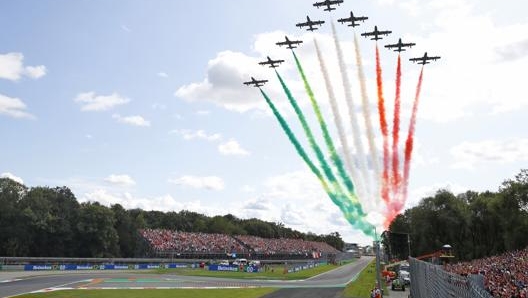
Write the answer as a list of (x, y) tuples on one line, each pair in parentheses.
[(216, 267)]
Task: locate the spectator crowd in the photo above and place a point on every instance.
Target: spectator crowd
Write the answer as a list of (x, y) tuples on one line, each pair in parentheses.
[(505, 276), (186, 242)]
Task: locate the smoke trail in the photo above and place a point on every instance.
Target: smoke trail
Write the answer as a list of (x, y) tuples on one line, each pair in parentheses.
[(362, 180), (396, 135), (384, 131), (338, 121), (410, 139), (367, 116), (327, 170), (326, 135), (346, 206)]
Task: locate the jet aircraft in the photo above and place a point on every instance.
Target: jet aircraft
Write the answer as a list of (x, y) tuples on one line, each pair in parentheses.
[(328, 4), (309, 23), (376, 33), (271, 63), (255, 83), (290, 44), (425, 59), (399, 46), (352, 20)]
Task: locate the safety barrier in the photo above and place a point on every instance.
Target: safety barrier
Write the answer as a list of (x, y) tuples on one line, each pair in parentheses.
[(431, 281)]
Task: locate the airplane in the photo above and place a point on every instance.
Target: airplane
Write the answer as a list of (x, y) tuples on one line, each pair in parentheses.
[(352, 19), (255, 83), (376, 33), (328, 4), (310, 23), (425, 59), (400, 46), (271, 63), (290, 44)]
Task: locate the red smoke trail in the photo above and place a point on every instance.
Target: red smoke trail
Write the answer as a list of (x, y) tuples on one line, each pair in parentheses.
[(396, 177), (396, 207), (384, 132)]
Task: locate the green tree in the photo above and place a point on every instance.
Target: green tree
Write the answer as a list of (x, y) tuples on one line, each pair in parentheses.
[(96, 233)]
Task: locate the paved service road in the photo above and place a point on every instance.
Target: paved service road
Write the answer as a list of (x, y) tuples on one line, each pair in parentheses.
[(324, 285)]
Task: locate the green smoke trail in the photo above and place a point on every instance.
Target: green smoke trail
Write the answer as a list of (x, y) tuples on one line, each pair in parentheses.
[(329, 143), (327, 170), (347, 207)]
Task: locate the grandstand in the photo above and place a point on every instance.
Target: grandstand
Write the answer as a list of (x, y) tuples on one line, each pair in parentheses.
[(191, 245)]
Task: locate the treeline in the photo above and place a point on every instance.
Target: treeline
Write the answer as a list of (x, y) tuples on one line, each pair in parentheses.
[(475, 224), (50, 222)]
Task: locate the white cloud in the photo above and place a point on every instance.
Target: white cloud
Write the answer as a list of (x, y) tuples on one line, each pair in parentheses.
[(159, 203), (13, 107), (223, 84), (203, 112), (247, 188), (258, 204), (12, 67), (416, 195), (232, 147), (188, 134), (125, 28), (12, 177), (471, 155), (121, 180), (207, 182), (293, 215), (35, 72), (131, 120), (91, 102), (163, 75)]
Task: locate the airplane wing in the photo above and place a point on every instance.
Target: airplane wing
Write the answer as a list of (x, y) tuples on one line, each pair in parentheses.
[(368, 34), (300, 25)]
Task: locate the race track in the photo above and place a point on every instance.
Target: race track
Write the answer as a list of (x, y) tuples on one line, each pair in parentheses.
[(323, 285)]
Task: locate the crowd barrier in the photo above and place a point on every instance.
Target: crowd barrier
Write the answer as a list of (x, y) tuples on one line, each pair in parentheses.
[(431, 281)]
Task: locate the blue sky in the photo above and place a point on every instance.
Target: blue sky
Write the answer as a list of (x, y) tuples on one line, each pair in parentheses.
[(141, 102)]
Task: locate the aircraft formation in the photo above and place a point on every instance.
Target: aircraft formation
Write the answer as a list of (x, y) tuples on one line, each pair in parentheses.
[(351, 21)]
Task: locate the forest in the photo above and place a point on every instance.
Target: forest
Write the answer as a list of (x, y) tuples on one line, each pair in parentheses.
[(475, 224), (50, 222)]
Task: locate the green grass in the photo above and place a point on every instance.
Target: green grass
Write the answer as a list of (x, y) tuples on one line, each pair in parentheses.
[(361, 287), (183, 293), (276, 273)]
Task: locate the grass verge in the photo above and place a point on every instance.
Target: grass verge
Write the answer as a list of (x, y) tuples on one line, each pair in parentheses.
[(275, 272), (183, 293), (361, 287)]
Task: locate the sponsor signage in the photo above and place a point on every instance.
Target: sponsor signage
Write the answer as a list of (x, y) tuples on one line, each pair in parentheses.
[(174, 266), (37, 267), (223, 268)]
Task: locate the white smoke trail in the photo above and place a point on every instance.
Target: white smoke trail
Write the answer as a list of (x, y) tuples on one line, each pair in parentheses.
[(339, 123), (356, 133), (368, 121)]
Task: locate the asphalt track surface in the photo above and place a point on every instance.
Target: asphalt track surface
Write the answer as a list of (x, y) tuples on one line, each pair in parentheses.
[(329, 284)]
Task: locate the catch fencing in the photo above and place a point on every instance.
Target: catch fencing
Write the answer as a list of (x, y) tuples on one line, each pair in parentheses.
[(431, 281)]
